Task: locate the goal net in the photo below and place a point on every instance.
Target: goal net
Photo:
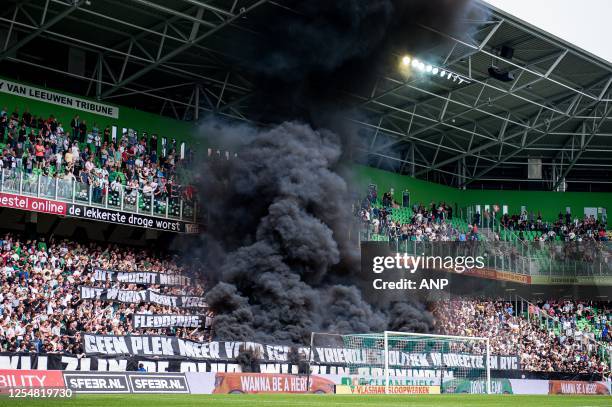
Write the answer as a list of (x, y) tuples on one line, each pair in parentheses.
[(403, 363)]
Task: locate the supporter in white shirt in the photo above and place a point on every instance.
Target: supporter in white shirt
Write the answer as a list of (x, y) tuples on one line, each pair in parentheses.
[(76, 153), (116, 185), (147, 189)]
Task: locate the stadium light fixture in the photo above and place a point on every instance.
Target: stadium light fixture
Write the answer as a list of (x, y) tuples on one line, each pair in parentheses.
[(420, 66)]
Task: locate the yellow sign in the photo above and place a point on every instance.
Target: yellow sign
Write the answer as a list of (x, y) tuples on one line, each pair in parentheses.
[(368, 389)]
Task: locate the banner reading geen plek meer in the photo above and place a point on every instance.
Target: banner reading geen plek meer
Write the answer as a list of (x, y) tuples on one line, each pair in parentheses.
[(173, 347), (138, 296), (141, 277)]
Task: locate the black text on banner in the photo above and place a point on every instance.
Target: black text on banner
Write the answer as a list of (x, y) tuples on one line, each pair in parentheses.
[(59, 99)]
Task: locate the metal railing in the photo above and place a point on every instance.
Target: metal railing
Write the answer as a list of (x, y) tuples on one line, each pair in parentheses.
[(538, 259), (120, 197)]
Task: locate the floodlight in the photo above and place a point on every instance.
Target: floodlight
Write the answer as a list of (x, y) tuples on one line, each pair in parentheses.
[(406, 60), (435, 70)]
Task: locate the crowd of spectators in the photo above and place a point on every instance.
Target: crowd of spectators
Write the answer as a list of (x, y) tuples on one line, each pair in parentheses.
[(539, 346), (40, 305), (422, 224), (91, 155), (568, 229), (432, 223), (594, 317)]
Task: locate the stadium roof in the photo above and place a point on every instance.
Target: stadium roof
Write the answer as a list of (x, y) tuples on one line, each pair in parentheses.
[(149, 54), (179, 58), (484, 130)]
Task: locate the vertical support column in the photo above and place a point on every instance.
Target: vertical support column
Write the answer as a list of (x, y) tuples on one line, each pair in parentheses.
[(463, 173), (196, 104), (99, 78), (412, 160)]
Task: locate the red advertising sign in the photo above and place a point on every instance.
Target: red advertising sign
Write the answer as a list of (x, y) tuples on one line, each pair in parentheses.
[(238, 383), (30, 378), (29, 203), (576, 387)]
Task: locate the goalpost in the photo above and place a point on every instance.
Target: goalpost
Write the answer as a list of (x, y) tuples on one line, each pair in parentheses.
[(404, 363)]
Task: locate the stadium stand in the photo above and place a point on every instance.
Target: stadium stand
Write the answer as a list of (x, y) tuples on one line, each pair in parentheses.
[(131, 265), (385, 220), (41, 309), (549, 336), (541, 348), (565, 228), (125, 169), (40, 305), (585, 316)]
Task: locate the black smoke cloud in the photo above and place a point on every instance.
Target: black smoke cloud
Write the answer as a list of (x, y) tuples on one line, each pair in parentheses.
[(278, 215), (322, 36), (277, 249), (303, 61)]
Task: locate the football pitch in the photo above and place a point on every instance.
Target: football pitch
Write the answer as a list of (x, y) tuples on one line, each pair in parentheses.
[(272, 400)]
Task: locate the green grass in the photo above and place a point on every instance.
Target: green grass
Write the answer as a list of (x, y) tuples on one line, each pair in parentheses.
[(272, 400)]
